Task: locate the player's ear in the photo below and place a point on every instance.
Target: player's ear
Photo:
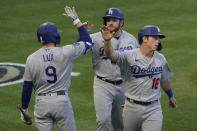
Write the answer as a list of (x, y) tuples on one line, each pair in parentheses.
[(144, 39), (121, 23)]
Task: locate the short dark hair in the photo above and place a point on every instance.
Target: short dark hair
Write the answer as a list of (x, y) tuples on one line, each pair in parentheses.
[(140, 40)]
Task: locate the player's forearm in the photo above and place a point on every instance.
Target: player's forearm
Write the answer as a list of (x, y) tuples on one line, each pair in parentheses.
[(79, 24), (166, 87), (83, 35), (109, 51), (26, 93)]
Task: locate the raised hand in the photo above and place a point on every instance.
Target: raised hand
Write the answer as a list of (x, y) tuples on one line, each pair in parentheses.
[(106, 34), (71, 14)]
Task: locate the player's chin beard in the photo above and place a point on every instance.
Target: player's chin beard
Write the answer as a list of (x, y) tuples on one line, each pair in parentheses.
[(115, 30)]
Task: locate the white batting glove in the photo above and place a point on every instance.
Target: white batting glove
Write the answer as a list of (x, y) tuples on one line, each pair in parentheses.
[(71, 14)]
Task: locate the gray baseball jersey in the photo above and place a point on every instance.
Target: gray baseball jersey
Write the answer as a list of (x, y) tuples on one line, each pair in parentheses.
[(50, 68), (141, 76), (102, 66), (110, 96), (50, 71)]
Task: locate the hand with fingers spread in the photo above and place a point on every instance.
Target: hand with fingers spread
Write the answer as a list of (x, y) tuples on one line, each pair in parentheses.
[(71, 14)]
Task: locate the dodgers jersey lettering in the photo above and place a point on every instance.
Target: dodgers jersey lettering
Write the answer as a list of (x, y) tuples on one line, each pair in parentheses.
[(50, 68), (102, 66), (142, 76)]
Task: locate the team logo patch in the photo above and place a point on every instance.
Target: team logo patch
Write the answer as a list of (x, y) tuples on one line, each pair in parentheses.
[(11, 73)]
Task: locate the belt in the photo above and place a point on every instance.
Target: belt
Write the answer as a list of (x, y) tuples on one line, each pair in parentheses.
[(53, 93), (141, 102), (109, 81)]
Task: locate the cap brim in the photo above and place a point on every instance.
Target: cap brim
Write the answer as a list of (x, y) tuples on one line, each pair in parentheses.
[(162, 36)]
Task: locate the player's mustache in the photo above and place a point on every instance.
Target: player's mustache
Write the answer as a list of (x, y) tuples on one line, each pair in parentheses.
[(110, 26), (115, 30)]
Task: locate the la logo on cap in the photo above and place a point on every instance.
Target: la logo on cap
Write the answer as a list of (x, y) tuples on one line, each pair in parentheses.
[(110, 11), (158, 29)]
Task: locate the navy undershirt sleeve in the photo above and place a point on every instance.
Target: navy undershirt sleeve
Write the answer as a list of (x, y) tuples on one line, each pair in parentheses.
[(26, 93), (84, 35)]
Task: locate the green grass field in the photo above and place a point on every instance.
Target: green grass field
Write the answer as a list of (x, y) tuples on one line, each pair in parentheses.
[(19, 20)]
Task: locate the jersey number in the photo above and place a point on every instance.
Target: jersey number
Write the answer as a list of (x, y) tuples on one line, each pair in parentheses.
[(155, 83), (51, 72)]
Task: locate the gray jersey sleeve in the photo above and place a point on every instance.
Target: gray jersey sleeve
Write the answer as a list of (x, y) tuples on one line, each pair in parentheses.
[(76, 50), (123, 58), (167, 72), (27, 76)]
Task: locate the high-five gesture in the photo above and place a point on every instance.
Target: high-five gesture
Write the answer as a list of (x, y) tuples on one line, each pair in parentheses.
[(71, 14), (106, 34)]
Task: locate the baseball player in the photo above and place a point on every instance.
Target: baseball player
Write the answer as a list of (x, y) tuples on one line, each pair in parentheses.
[(108, 88), (48, 71), (143, 71)]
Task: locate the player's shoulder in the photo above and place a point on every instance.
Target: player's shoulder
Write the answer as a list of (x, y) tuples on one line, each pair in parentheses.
[(128, 35), (132, 52), (159, 56), (129, 55), (95, 35), (34, 54), (97, 39), (136, 50)]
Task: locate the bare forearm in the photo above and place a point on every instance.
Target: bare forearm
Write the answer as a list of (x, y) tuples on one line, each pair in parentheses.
[(109, 51), (165, 85)]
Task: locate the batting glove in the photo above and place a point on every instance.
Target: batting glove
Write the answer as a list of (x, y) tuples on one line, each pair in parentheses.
[(71, 14), (27, 121)]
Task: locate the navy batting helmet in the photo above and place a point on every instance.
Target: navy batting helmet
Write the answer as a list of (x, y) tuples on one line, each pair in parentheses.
[(113, 12), (149, 30), (47, 32)]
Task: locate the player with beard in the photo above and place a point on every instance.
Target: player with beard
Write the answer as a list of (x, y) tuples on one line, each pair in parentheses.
[(108, 88)]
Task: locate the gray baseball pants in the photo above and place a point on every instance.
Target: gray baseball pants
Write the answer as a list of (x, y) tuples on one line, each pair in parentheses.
[(108, 101), (138, 117), (50, 110)]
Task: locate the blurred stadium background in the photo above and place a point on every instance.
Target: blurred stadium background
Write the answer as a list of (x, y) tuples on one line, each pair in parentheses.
[(19, 20)]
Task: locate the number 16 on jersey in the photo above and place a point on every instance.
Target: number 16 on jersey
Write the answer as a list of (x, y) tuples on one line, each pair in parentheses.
[(155, 83)]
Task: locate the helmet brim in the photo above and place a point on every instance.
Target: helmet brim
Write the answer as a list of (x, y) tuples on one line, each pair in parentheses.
[(158, 34), (105, 17), (162, 36)]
